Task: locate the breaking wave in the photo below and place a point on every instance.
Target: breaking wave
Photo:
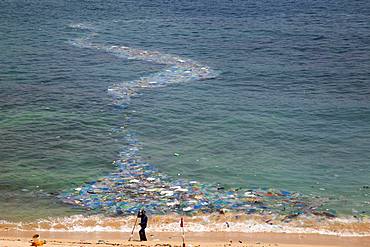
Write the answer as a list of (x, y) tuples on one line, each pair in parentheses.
[(200, 223)]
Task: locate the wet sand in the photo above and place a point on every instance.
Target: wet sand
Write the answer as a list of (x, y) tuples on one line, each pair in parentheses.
[(13, 238)]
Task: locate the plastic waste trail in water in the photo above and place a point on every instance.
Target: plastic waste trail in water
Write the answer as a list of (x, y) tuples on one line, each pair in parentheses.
[(136, 184)]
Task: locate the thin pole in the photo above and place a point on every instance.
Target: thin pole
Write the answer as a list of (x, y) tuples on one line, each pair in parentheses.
[(183, 237), (133, 229), (183, 232)]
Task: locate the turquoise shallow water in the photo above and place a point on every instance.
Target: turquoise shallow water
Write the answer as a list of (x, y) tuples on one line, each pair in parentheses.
[(289, 108)]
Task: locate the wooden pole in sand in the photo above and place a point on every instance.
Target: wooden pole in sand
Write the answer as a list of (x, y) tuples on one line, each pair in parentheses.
[(183, 232), (133, 229)]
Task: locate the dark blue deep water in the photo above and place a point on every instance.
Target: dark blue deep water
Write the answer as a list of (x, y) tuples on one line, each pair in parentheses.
[(288, 107)]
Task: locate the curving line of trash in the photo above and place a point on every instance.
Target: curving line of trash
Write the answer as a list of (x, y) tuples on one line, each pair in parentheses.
[(135, 184)]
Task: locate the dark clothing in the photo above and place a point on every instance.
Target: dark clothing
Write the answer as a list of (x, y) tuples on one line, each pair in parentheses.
[(143, 224), (142, 234), (144, 220)]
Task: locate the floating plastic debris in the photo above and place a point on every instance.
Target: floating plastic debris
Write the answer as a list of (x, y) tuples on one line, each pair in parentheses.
[(135, 184), (179, 69)]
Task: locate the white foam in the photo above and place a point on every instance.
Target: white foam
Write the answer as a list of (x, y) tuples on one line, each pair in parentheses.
[(82, 26), (80, 223)]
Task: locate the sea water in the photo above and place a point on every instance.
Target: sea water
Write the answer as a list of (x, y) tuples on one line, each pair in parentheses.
[(283, 105)]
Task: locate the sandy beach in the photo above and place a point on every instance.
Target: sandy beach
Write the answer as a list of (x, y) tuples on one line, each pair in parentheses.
[(231, 123), (105, 239)]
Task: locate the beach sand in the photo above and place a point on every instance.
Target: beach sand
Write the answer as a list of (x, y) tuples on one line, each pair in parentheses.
[(82, 239)]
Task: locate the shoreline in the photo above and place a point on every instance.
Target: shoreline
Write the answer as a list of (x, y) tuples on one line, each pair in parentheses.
[(202, 223), (21, 238), (201, 230)]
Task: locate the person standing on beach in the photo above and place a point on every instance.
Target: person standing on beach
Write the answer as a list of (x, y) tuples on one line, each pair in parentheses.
[(143, 223)]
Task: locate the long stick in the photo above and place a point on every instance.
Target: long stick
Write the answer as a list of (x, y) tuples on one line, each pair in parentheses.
[(133, 229), (183, 237), (183, 232)]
